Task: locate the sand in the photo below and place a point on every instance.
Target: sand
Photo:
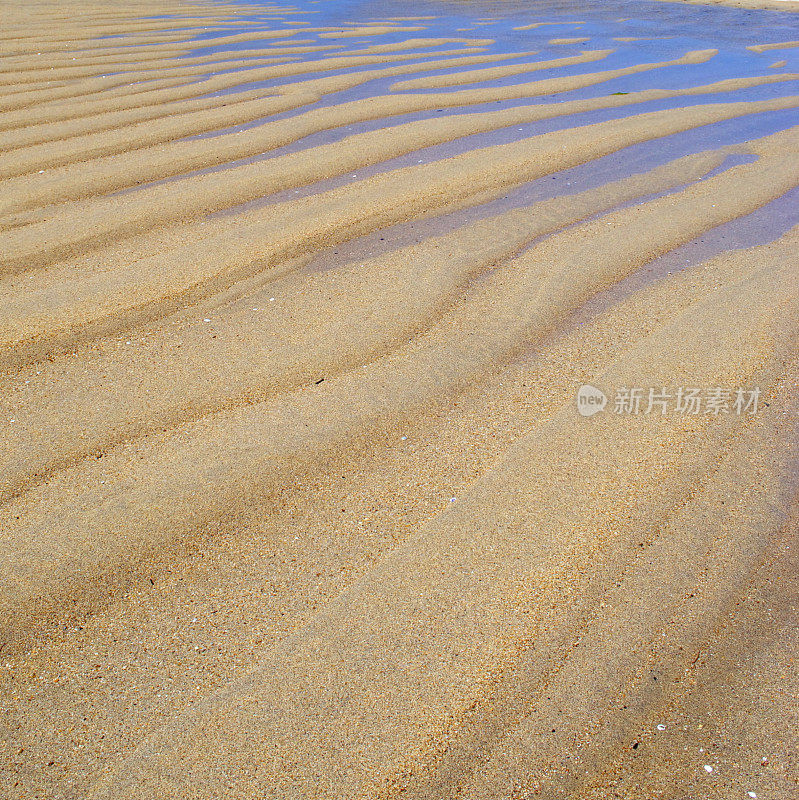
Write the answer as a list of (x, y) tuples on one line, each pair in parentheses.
[(295, 498)]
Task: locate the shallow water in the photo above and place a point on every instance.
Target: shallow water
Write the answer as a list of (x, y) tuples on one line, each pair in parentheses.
[(662, 31)]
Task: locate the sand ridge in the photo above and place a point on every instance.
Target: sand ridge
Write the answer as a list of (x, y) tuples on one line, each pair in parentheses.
[(293, 311)]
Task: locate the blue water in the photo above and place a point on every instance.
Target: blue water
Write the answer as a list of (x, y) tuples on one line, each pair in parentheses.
[(691, 26), (667, 31)]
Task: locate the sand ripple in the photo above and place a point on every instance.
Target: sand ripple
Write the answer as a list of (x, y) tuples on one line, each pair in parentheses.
[(295, 499)]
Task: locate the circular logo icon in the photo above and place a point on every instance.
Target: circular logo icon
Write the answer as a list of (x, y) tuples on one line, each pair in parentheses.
[(590, 400)]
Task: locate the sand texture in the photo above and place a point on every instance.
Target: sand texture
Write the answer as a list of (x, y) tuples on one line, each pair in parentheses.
[(295, 307)]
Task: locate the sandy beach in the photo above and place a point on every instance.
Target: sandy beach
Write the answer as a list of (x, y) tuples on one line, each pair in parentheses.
[(399, 400)]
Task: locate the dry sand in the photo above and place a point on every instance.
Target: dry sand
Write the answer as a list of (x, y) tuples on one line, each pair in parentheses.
[(295, 501)]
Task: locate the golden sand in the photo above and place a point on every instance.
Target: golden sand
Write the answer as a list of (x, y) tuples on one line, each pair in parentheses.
[(295, 501)]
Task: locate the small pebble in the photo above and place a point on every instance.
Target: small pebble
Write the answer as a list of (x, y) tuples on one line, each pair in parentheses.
[(661, 727), (708, 768), (752, 795)]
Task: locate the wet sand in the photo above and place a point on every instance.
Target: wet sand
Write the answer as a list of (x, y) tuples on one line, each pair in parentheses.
[(295, 498)]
